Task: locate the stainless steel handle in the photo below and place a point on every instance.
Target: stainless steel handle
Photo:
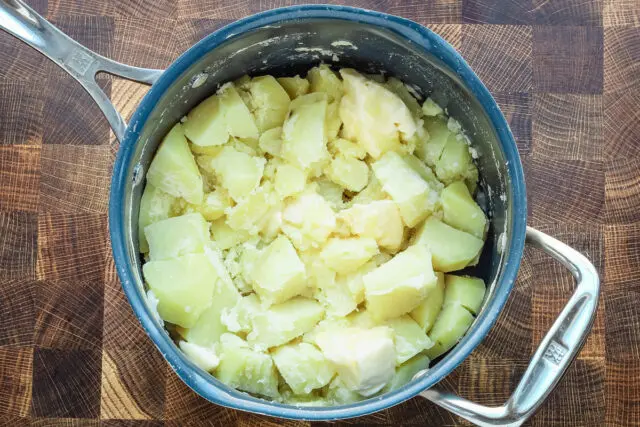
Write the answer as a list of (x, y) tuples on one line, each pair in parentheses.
[(24, 23), (555, 353)]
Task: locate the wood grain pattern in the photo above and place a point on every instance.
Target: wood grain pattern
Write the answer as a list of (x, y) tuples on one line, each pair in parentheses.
[(566, 74)]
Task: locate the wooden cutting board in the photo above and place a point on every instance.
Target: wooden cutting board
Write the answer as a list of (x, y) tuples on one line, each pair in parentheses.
[(567, 76)]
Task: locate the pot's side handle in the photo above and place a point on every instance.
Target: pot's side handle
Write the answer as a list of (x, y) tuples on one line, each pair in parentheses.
[(24, 23), (555, 353)]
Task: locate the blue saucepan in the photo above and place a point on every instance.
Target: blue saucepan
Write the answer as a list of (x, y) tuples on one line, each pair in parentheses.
[(288, 41)]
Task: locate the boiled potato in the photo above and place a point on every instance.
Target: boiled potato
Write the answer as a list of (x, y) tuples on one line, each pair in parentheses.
[(400, 285), (155, 205), (427, 312), (415, 199), (295, 86), (297, 232), (451, 249), (174, 170), (465, 291), (183, 286), (461, 211)]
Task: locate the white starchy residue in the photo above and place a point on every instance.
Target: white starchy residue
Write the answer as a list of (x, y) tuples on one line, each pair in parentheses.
[(502, 243), (474, 153), (335, 58), (183, 119), (453, 125), (198, 80), (344, 43), (153, 301)]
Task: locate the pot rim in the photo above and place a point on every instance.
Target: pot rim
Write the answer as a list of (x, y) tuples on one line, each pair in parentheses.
[(205, 384)]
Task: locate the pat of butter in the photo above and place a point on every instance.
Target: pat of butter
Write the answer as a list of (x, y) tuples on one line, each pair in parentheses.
[(204, 358), (364, 358)]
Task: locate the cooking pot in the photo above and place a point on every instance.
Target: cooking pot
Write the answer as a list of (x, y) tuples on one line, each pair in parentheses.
[(288, 41)]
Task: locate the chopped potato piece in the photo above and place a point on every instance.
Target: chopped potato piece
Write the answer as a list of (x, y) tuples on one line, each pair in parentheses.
[(289, 180), (304, 139), (204, 358), (281, 323), (364, 358), (303, 367), (333, 123), (271, 141), (405, 373), (177, 236), (309, 220), (339, 394), (373, 116), (398, 87), (350, 173), (455, 162), (424, 171), (347, 255), (155, 205), (248, 214), (415, 199), (451, 249), (372, 192), (452, 323), (331, 192), (268, 102), (400, 285), (174, 170), (324, 79), (225, 236), (221, 115), (465, 291), (430, 108), (410, 338), (295, 86), (427, 312), (213, 206), (239, 172), (346, 148), (246, 369), (279, 274), (183, 286), (239, 317), (461, 211), (379, 220), (429, 151)]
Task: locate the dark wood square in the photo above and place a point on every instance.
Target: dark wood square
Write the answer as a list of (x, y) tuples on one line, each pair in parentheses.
[(567, 12), (622, 254), (132, 423), (72, 247), (133, 384), (8, 420), (122, 330), (17, 312), (622, 391), (500, 55), (452, 33), (567, 59), (516, 108), (215, 9), (70, 114), (490, 381), (75, 178), (423, 11), (567, 126), (92, 31), (19, 177), (18, 245), (517, 12), (145, 42), (162, 9), (569, 191), (621, 126), (581, 393), (69, 315), (66, 383), (21, 62), (15, 380), (21, 106), (621, 302), (621, 59), (622, 189), (65, 422)]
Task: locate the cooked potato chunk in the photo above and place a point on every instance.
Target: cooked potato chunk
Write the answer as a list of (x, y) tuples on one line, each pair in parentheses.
[(461, 211), (400, 285), (465, 291), (410, 339), (304, 139), (347, 255), (452, 323), (303, 367), (177, 236), (268, 101), (415, 199), (239, 173), (183, 286), (379, 220), (427, 312), (295, 86), (451, 249), (155, 205), (174, 170), (350, 173)]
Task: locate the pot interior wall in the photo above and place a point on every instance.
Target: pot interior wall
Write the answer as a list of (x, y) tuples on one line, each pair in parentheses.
[(294, 47)]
